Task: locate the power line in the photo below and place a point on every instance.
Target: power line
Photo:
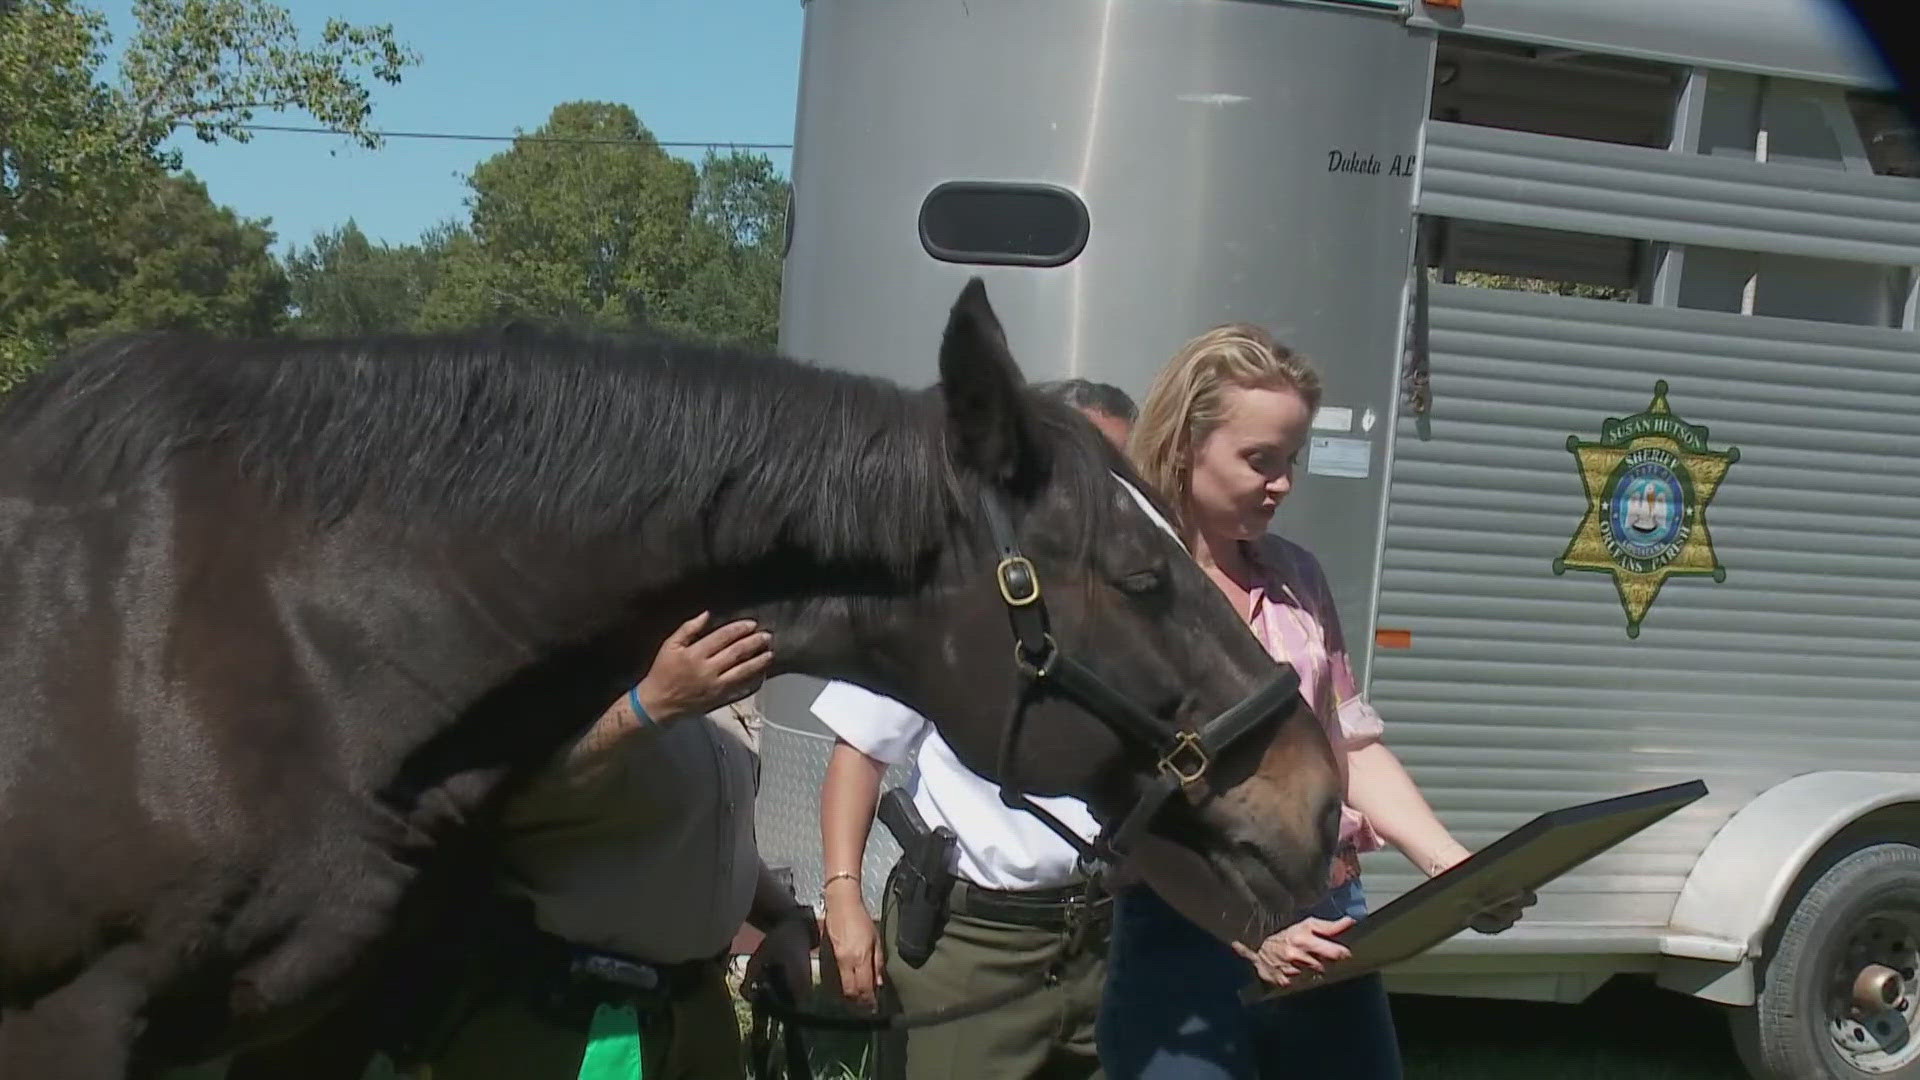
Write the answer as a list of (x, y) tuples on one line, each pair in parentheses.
[(577, 140)]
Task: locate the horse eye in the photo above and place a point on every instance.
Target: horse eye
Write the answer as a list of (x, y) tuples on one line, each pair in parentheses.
[(1142, 581)]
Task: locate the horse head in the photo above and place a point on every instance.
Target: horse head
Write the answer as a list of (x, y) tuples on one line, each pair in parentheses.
[(1068, 644)]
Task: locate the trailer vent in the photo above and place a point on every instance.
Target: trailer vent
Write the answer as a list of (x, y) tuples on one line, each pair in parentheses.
[(1001, 224)]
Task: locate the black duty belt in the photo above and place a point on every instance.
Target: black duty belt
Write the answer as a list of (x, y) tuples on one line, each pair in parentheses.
[(1043, 909), (557, 980), (623, 976)]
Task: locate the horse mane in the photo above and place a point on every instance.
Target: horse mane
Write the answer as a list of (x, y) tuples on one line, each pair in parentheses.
[(522, 430)]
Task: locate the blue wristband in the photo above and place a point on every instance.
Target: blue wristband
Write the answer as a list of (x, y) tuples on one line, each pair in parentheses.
[(633, 702)]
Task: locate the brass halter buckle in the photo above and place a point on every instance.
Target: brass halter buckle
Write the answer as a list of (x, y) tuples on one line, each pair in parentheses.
[(1017, 566), (1186, 750)]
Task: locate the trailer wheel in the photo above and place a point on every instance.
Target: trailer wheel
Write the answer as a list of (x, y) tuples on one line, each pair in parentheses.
[(1840, 999)]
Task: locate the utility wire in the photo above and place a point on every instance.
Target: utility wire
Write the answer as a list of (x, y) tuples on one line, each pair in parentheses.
[(578, 140)]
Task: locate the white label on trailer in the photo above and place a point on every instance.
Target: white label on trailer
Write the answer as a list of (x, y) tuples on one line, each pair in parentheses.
[(1216, 100), (1328, 456), (1333, 418)]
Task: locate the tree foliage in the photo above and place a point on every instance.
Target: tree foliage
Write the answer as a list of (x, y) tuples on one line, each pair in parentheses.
[(1513, 283), (588, 221), (171, 260), (591, 230), (343, 283), (83, 155), (585, 222), (740, 224), (73, 137), (66, 151)]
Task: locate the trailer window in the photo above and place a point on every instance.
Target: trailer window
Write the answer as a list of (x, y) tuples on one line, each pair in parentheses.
[(1003, 224), (1494, 256), (1554, 91), (1890, 136)]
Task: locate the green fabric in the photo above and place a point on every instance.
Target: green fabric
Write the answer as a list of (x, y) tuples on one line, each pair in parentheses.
[(613, 1045), (693, 1037)]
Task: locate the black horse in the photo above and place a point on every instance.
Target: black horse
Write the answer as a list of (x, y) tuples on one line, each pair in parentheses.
[(281, 625)]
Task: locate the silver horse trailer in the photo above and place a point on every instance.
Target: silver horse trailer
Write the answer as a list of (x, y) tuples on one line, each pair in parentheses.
[(1616, 304)]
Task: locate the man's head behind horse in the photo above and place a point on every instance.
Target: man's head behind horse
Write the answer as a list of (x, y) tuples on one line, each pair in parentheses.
[(1116, 597)]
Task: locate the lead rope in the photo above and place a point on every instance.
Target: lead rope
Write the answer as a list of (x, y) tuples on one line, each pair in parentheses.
[(769, 1025), (770, 1002)]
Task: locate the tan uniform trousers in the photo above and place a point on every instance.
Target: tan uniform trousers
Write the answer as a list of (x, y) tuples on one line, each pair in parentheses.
[(1045, 1035)]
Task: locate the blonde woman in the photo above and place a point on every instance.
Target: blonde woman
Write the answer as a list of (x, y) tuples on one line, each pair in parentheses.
[(1218, 436)]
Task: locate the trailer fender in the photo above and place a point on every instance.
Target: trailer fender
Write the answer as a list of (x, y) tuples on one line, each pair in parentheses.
[(1736, 887)]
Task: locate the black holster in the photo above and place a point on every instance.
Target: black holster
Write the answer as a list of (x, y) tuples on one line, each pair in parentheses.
[(922, 881)]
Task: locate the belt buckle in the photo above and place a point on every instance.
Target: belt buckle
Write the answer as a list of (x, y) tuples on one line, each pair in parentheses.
[(1185, 759), (1073, 927), (625, 974), (1083, 914)]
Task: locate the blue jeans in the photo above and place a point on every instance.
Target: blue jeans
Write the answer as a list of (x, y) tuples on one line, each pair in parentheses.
[(1171, 1008)]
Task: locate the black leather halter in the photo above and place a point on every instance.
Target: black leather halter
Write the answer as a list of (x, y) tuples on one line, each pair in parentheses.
[(1182, 757)]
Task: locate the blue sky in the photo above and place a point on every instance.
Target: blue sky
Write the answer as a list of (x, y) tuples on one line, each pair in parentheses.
[(691, 69)]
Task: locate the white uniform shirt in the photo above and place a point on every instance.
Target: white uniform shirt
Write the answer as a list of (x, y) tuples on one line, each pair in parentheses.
[(997, 846)]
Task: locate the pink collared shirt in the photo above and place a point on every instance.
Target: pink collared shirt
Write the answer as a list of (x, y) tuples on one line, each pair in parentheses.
[(1291, 611)]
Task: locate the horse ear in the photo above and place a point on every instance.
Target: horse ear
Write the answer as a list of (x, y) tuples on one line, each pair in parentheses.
[(990, 430)]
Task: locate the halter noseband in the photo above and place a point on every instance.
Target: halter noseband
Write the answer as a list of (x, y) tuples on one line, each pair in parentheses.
[(1182, 757)]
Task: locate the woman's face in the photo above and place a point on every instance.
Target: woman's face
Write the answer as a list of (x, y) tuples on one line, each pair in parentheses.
[(1244, 467)]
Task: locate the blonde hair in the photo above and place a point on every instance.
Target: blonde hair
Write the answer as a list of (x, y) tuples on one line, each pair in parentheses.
[(1188, 401)]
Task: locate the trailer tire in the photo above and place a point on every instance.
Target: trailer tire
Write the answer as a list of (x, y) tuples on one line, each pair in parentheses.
[(1853, 935)]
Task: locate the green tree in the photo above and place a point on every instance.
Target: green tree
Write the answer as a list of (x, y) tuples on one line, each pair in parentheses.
[(171, 260), (18, 357), (739, 234), (1511, 283), (66, 150), (72, 137), (78, 146), (584, 221), (343, 283), (588, 221)]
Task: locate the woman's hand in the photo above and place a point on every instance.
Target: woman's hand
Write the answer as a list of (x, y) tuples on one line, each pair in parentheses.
[(1300, 952), (857, 951), (1500, 916), (1496, 916)]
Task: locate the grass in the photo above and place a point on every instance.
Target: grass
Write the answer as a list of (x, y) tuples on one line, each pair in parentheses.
[(1627, 1031)]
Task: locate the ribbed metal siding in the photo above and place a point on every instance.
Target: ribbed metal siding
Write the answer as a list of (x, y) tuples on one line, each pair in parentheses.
[(1522, 692), (1522, 178), (1806, 39)]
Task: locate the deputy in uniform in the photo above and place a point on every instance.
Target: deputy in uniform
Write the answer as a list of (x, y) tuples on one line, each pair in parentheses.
[(1019, 904), (634, 854)]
